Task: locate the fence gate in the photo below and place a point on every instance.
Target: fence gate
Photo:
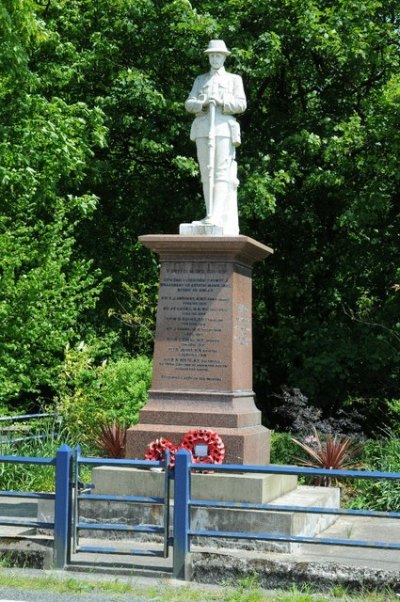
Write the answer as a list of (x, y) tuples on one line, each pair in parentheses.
[(86, 492)]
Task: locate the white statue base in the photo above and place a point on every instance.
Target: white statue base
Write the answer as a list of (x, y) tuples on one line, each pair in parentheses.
[(200, 229)]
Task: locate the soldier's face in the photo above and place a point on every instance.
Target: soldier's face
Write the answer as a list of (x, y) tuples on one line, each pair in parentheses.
[(217, 59)]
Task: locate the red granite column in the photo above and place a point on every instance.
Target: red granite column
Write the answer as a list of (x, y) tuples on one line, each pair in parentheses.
[(202, 368)]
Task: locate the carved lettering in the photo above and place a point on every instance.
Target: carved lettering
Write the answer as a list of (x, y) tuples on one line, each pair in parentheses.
[(194, 301)]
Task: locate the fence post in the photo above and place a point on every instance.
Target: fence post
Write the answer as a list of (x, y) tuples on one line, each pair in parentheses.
[(62, 506), (181, 560)]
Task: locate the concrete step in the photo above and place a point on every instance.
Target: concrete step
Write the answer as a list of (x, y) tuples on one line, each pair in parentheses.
[(18, 507), (7, 532), (262, 521), (235, 488), (250, 488), (217, 519)]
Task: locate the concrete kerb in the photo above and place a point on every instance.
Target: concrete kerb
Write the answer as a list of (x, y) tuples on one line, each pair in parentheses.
[(359, 570), (33, 552), (282, 572), (272, 571)]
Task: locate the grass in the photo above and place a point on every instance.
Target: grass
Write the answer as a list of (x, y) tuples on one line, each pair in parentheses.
[(245, 590), (30, 477)]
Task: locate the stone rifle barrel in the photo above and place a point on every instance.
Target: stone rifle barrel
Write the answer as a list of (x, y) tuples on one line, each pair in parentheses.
[(211, 159)]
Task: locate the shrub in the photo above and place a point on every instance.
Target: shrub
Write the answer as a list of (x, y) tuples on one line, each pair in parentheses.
[(296, 414), (30, 477), (93, 394), (283, 449), (110, 438), (331, 452), (394, 415)]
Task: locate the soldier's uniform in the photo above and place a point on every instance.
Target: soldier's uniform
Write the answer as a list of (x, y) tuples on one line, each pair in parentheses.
[(229, 88)]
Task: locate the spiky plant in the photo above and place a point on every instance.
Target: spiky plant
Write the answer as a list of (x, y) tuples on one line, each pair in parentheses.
[(110, 438), (334, 452)]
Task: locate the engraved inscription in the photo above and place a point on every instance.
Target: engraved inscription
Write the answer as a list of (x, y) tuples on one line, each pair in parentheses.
[(194, 300), (242, 326)]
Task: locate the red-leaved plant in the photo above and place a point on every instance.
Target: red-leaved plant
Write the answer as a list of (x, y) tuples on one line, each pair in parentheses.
[(110, 438), (334, 452)]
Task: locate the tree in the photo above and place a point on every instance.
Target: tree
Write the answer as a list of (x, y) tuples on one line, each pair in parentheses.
[(318, 166), (45, 146), (320, 152)]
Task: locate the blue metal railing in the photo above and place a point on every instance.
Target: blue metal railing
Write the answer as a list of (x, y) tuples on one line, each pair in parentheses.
[(62, 499), (67, 525), (183, 503), (121, 527), (8, 437)]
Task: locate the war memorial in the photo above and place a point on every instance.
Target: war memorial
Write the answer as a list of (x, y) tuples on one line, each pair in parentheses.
[(202, 371), (202, 365)]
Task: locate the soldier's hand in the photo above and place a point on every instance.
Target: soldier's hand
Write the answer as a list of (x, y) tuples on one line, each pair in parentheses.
[(217, 100), (204, 100)]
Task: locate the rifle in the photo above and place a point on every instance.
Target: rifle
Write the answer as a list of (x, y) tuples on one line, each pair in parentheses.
[(211, 160)]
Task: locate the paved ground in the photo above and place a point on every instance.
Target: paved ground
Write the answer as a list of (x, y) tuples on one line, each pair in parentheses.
[(357, 528)]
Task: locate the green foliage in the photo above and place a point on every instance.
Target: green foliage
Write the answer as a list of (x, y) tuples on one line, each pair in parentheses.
[(317, 166), (322, 109), (139, 315), (45, 146), (30, 477), (283, 449), (384, 455), (41, 297), (394, 415), (93, 124), (92, 393)]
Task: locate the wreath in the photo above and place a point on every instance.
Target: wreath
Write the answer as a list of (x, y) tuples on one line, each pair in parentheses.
[(215, 448), (214, 443), (156, 451)]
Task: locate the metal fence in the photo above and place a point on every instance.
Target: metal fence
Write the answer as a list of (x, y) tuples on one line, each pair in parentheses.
[(12, 431), (81, 494), (67, 523), (183, 532), (62, 464)]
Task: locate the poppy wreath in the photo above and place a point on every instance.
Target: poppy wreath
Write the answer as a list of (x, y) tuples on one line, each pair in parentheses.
[(156, 451), (214, 443)]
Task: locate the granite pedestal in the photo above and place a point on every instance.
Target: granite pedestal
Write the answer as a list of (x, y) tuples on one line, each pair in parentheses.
[(202, 370)]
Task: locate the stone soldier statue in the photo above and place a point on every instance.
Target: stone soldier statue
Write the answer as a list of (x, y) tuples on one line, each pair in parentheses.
[(215, 98)]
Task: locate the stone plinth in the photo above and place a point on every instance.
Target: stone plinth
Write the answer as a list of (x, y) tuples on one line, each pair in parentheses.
[(202, 370), (200, 229)]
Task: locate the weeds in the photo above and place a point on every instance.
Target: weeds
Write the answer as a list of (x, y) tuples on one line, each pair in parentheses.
[(246, 590), (382, 455)]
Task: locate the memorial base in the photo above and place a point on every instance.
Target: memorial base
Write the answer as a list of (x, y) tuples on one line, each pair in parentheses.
[(250, 445), (279, 490), (202, 365), (200, 229)]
